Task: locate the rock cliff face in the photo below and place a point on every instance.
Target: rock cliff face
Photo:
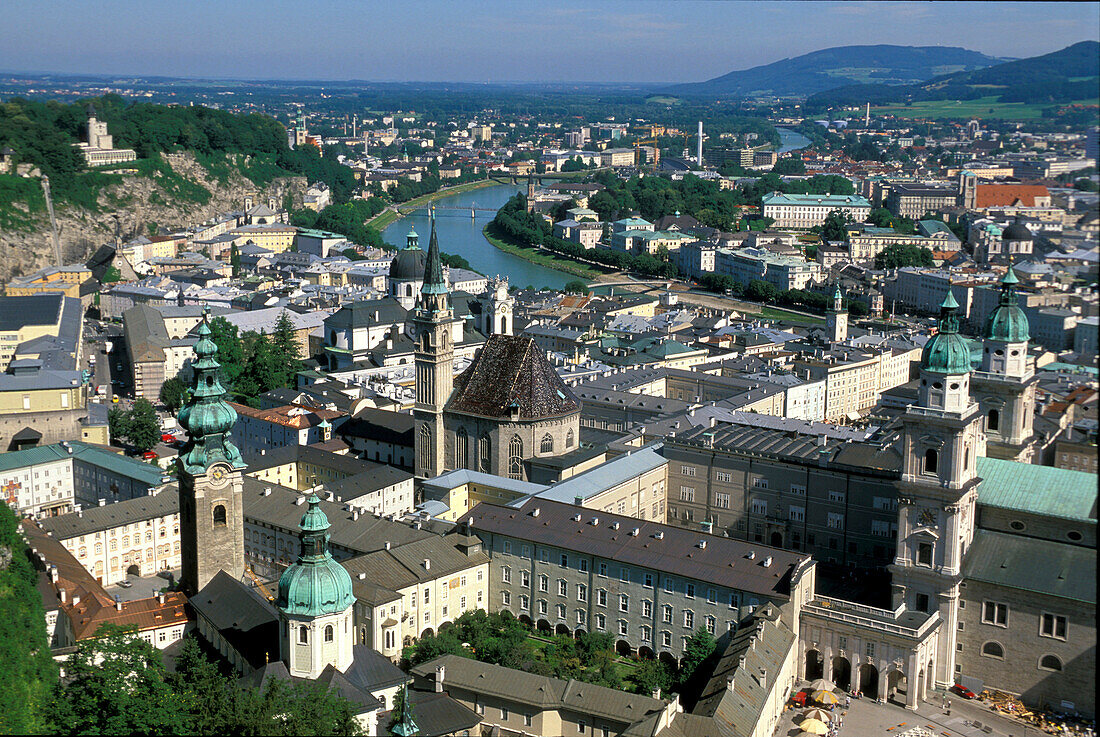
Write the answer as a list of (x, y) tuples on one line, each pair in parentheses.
[(129, 208)]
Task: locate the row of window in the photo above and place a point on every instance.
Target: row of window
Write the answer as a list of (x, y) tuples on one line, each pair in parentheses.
[(1050, 625), (993, 649)]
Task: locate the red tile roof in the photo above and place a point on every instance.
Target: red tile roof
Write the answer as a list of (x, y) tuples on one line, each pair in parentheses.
[(1003, 195)]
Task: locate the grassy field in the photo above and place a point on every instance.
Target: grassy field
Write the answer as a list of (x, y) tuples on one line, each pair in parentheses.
[(983, 107), (544, 258), (775, 313)]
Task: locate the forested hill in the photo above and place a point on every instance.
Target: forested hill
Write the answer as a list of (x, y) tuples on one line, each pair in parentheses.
[(42, 134), (842, 65), (1072, 73)]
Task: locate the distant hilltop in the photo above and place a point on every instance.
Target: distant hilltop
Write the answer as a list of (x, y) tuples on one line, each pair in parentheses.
[(836, 67)]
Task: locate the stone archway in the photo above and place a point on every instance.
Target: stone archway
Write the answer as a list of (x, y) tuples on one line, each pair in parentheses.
[(428, 632), (646, 653), (578, 632), (525, 620), (622, 647), (777, 539), (815, 665), (543, 626), (842, 672), (868, 680), (562, 629), (896, 684), (667, 658)]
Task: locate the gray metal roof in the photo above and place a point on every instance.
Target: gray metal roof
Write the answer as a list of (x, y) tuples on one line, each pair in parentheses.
[(1039, 566), (723, 561), (128, 512), (606, 475)]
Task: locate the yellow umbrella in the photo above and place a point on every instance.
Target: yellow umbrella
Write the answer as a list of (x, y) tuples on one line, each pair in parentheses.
[(814, 726), (818, 714), (825, 697)]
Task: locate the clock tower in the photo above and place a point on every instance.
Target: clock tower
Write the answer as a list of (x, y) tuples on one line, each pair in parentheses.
[(211, 508)]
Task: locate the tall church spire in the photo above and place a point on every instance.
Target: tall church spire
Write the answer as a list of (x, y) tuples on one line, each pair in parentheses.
[(432, 324), (434, 283)]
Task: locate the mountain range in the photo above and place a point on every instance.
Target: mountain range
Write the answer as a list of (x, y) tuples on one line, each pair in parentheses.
[(840, 66)]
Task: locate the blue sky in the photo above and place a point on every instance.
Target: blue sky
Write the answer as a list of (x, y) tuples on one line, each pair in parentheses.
[(501, 40)]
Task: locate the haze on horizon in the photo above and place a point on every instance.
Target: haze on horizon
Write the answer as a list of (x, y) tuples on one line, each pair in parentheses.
[(662, 41)]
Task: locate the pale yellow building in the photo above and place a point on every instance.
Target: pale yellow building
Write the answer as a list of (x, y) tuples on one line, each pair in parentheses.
[(276, 237)]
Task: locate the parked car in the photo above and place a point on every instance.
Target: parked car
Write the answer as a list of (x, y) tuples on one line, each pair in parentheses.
[(166, 438), (963, 691), (125, 584), (149, 455)]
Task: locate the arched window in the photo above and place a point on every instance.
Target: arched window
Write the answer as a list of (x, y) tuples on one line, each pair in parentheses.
[(569, 439), (994, 422), (332, 337), (303, 634), (462, 448), (993, 650), (515, 458), (328, 633), (408, 290), (547, 443), (931, 460), (219, 515), (425, 446), (504, 325), (1050, 662), (486, 451)]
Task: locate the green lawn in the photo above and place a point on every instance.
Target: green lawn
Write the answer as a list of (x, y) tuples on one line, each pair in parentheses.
[(545, 258), (777, 314), (983, 107)]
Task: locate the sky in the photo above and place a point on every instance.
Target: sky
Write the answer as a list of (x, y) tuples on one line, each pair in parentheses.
[(611, 41)]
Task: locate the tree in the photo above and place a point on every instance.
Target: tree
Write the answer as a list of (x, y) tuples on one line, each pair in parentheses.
[(790, 165), (761, 291), (118, 423), (235, 259), (284, 341), (575, 286), (899, 255), (833, 229), (224, 335), (650, 675), (173, 394), (116, 685), (699, 647), (144, 426)]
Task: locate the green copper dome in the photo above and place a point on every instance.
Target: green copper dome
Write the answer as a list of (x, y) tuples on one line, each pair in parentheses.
[(207, 417), (947, 352), (315, 584), (1007, 322)]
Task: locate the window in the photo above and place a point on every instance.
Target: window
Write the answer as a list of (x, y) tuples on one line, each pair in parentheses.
[(760, 483), (542, 606), (1050, 662), (561, 611), (666, 615), (580, 726), (689, 590), (880, 528), (582, 616), (544, 583), (885, 504), (689, 619), (624, 574), (760, 506), (666, 639), (425, 447), (569, 439), (601, 597), (924, 554), (544, 556), (525, 578), (722, 501), (515, 458), (507, 547), (563, 587), (710, 624), (994, 423), (993, 650), (647, 580), (995, 613), (835, 521), (712, 596), (798, 489), (668, 585), (525, 551), (622, 627), (723, 476), (303, 635), (564, 560), (582, 564), (503, 713), (647, 633), (462, 448), (869, 650), (733, 601), (601, 569), (527, 720), (1051, 625), (601, 622), (797, 514), (328, 633), (624, 603), (922, 603), (506, 574), (837, 496), (219, 516), (582, 592), (506, 598), (687, 494), (687, 470), (931, 461), (524, 602)]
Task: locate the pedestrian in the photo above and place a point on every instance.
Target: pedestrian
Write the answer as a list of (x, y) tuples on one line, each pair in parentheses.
[(847, 701), (949, 703)]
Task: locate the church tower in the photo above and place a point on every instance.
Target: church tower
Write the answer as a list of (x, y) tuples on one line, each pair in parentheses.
[(211, 509), (434, 358), (496, 308), (836, 319), (1005, 386), (941, 440), (315, 603)]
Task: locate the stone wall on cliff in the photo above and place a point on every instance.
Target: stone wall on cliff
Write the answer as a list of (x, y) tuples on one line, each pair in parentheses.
[(82, 230)]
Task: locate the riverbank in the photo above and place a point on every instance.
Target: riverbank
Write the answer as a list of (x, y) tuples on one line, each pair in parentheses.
[(545, 258), (393, 212)]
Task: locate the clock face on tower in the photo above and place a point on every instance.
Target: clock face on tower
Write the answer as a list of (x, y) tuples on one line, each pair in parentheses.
[(219, 475), (927, 517)]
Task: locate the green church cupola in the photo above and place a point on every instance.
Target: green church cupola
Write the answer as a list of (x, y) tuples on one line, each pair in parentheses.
[(207, 417), (1008, 323), (947, 352), (315, 584), (412, 240)]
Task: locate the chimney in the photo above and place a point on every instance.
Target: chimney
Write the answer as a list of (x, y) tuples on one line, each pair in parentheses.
[(764, 677), (354, 515), (729, 684), (102, 502), (362, 577), (440, 673), (427, 564), (660, 535), (63, 594), (387, 545), (535, 512), (656, 693), (267, 491), (118, 605), (161, 597)]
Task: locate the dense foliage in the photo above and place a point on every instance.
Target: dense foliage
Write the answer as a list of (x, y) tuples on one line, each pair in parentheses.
[(117, 684), (138, 425), (27, 672), (252, 363), (348, 219), (903, 254)]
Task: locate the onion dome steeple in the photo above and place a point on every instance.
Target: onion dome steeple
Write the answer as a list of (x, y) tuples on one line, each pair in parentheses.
[(1008, 323), (947, 352), (315, 584), (207, 417)]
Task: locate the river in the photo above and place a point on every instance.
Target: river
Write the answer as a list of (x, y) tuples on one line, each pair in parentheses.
[(790, 140), (461, 235)]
